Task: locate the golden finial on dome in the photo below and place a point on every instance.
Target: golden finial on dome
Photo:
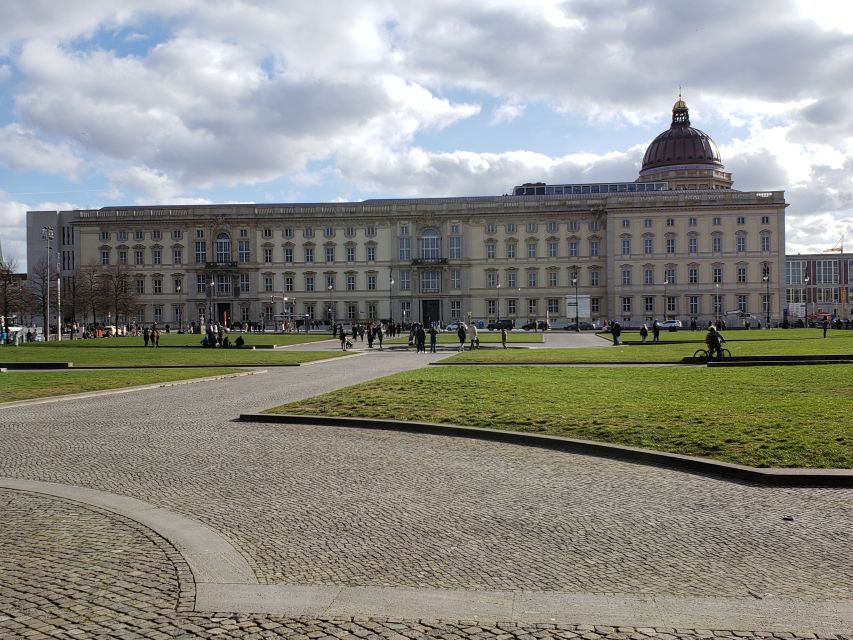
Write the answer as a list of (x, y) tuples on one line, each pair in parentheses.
[(679, 104), (680, 112)]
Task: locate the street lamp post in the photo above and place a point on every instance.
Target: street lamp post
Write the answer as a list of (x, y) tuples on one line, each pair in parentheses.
[(180, 314), (766, 278), (499, 301), (806, 282), (212, 284), (332, 303), (577, 310), (390, 301), (665, 298), (47, 236)]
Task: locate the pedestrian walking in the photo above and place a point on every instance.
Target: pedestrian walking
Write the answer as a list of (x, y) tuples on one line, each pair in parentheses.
[(825, 326), (460, 333), (420, 339), (655, 331), (644, 333), (475, 341), (616, 332), (503, 337), (433, 337), (145, 337), (343, 336)]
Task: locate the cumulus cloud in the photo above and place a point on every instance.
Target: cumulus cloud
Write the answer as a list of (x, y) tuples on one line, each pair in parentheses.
[(21, 150)]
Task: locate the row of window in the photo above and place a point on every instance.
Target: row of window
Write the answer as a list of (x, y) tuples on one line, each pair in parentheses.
[(693, 244), (694, 305), (223, 254), (825, 272), (177, 234)]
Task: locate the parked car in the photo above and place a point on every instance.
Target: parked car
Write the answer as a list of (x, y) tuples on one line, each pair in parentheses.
[(454, 326), (670, 325), (542, 325), (501, 324), (584, 326)]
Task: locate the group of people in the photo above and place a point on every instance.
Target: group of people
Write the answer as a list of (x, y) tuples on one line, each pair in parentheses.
[(373, 332)]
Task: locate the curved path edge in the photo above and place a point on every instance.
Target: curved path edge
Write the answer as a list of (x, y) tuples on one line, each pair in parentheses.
[(838, 478), (226, 583), (211, 557)]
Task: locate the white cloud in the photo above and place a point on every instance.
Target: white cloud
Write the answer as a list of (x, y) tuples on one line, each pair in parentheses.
[(22, 150), (507, 112)]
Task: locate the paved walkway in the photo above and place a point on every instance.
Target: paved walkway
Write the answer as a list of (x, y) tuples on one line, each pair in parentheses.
[(154, 514)]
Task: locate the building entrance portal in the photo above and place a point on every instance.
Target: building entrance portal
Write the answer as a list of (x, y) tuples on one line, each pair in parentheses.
[(431, 311), (223, 314)]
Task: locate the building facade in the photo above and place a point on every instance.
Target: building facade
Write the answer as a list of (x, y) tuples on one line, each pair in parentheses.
[(678, 242)]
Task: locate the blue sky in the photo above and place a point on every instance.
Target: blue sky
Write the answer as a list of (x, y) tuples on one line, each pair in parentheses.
[(198, 101)]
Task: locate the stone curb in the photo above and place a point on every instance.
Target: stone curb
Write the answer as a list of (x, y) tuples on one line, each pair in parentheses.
[(837, 478)]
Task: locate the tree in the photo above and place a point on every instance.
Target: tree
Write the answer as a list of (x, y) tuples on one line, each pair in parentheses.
[(117, 291), (89, 291), (39, 290), (11, 293)]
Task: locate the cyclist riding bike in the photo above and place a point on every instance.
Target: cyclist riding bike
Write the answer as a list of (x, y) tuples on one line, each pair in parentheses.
[(715, 343)]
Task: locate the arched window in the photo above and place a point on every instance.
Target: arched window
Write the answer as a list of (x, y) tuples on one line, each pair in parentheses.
[(223, 248), (430, 245)]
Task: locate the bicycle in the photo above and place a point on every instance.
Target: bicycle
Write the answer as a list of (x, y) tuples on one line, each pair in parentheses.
[(701, 356)]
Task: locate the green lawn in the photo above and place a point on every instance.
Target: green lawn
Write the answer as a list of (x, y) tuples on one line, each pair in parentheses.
[(193, 340), (26, 385), (764, 416), (675, 346), (105, 352)]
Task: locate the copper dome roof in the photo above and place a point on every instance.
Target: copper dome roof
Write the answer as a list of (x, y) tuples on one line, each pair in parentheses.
[(681, 144)]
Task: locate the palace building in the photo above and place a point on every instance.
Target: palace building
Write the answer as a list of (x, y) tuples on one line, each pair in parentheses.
[(677, 242)]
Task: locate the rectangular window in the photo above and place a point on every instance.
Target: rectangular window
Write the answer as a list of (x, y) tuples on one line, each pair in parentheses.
[(647, 223), (595, 305), (693, 222), (157, 285), (455, 247), (717, 275), (573, 249), (200, 252), (670, 245), (139, 235), (491, 279), (268, 282), (404, 229), (200, 283), (405, 246), (177, 256), (371, 282), (309, 282), (155, 235), (669, 275), (122, 256), (512, 306), (552, 278), (553, 227), (626, 223), (491, 251), (309, 255), (532, 307), (648, 276), (670, 222), (649, 304), (349, 232), (455, 279), (594, 278), (122, 235), (156, 256), (553, 306), (243, 250), (626, 305), (244, 283), (140, 286), (692, 245), (511, 249), (531, 249), (288, 232), (593, 226), (267, 255), (741, 219), (244, 233), (531, 227), (267, 233), (693, 305), (491, 307), (693, 275), (717, 221), (371, 253), (648, 246), (177, 234), (552, 248), (531, 279), (350, 251), (350, 282), (329, 232), (308, 233), (455, 309), (827, 271), (288, 255), (430, 281), (765, 219), (594, 248), (716, 244), (140, 256), (158, 314), (626, 246), (330, 282), (626, 277), (511, 279), (405, 280), (741, 244), (491, 227), (765, 243), (511, 228), (330, 254), (199, 233), (741, 275), (743, 303), (288, 283), (671, 304), (370, 231)]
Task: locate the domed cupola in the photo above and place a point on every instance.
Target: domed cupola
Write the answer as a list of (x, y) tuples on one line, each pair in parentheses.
[(685, 157)]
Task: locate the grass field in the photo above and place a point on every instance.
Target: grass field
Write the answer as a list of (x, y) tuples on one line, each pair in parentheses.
[(174, 350), (766, 416), (486, 337), (26, 385), (675, 346)]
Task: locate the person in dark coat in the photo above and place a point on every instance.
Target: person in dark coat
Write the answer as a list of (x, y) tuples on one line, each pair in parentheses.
[(461, 334)]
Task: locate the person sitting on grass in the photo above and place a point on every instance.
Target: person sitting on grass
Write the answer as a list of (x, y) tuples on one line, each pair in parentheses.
[(239, 342)]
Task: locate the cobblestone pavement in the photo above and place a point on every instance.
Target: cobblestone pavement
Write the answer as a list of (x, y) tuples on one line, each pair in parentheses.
[(329, 506)]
